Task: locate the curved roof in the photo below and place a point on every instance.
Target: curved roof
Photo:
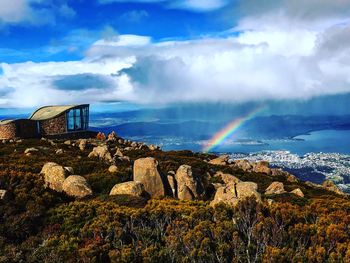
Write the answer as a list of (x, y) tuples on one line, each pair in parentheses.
[(3, 122), (49, 112)]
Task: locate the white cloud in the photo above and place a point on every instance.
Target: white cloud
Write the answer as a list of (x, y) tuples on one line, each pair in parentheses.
[(194, 5), (256, 65), (23, 11)]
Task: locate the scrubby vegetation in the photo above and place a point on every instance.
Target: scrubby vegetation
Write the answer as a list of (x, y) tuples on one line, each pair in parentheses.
[(40, 225)]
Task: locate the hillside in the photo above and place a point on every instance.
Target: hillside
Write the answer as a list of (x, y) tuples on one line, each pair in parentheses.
[(181, 207)]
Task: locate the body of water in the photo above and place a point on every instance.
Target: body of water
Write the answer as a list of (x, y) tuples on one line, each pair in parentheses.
[(327, 141)]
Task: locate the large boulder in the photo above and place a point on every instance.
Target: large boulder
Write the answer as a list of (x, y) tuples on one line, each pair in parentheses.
[(221, 160), (76, 186), (54, 176), (245, 165), (297, 192), (186, 183), (262, 167), (330, 186), (232, 193), (146, 172), (275, 188), (128, 188), (227, 178), (101, 152)]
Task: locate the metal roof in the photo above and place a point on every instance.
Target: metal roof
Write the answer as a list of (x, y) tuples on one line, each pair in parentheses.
[(49, 112)]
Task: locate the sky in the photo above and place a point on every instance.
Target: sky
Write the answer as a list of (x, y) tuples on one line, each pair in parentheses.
[(159, 52)]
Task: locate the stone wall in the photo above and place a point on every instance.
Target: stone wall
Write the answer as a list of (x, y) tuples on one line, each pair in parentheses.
[(56, 125), (8, 131)]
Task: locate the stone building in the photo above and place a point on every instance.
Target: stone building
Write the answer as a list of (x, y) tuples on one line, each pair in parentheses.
[(48, 121)]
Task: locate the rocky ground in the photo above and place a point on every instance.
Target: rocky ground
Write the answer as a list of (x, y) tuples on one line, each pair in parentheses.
[(109, 169)]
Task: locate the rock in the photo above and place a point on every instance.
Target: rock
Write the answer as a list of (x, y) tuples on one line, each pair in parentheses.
[(101, 136), (227, 178), (69, 170), (68, 142), (186, 183), (292, 179), (19, 141), (112, 137), (297, 192), (221, 160), (51, 142), (151, 147), (330, 186), (245, 165), (2, 194), (121, 141), (118, 153), (146, 172), (113, 169), (76, 186), (54, 176), (262, 167), (275, 188), (101, 152), (124, 159), (128, 148), (134, 144), (270, 201), (128, 188), (233, 193), (172, 183), (279, 172), (82, 144), (59, 151), (30, 151)]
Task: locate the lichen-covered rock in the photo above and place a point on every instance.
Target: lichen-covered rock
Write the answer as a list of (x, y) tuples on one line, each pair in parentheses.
[(112, 137), (172, 183), (275, 188), (2, 194), (69, 170), (245, 165), (146, 172), (82, 144), (227, 178), (232, 193), (297, 192), (54, 176), (118, 153), (221, 160), (128, 188), (76, 186), (186, 183), (30, 151), (262, 167), (59, 151), (330, 186), (113, 169), (101, 152)]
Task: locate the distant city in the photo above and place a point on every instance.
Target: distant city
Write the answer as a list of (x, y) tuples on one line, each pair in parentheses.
[(315, 167)]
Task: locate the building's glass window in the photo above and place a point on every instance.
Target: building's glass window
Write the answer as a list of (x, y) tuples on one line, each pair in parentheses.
[(78, 119)]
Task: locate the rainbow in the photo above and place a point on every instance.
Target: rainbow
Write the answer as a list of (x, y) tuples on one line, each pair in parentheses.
[(230, 128)]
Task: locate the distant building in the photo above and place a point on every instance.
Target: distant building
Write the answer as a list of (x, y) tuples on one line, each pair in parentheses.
[(49, 121)]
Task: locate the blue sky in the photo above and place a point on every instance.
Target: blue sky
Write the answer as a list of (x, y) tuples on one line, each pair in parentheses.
[(159, 52), (65, 37)]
